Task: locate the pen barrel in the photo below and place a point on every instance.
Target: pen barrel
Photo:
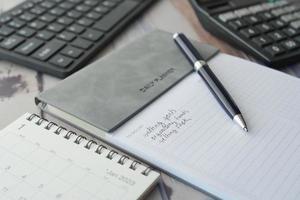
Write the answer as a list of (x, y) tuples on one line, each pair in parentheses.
[(218, 90)]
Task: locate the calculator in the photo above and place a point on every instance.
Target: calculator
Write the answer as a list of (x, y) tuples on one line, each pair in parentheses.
[(268, 30)]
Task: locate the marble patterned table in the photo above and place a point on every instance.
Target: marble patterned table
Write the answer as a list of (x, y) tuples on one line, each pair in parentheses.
[(19, 85)]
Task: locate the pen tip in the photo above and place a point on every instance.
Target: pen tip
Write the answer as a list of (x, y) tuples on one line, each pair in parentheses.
[(175, 35), (245, 129)]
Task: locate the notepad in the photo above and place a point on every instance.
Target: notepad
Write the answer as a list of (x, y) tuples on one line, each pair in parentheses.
[(187, 134), (41, 160)]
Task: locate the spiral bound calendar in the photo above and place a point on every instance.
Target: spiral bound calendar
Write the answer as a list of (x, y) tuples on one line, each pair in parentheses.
[(41, 160)]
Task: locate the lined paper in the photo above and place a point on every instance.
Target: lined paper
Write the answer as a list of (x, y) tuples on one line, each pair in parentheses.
[(186, 133)]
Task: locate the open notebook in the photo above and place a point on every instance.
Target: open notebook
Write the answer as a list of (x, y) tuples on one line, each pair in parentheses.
[(187, 134), (40, 160)]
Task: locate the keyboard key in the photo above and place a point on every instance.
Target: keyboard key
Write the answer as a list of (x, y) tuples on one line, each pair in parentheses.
[(37, 10), (92, 35), (57, 11), (72, 52), (116, 15), (16, 24), (290, 31), (83, 8), (67, 5), (237, 24), (66, 36), (29, 46), (16, 12), (26, 32), (275, 50), (6, 31), (277, 35), (94, 15), (47, 4), (262, 40), (65, 20), (91, 2), (76, 29), (109, 4), (5, 19), (27, 17), (250, 32), (48, 18), (81, 43), (85, 22), (289, 44), (74, 14), (12, 42), (55, 27), (102, 9), (45, 35), (27, 5), (37, 24), (264, 27), (61, 61), (48, 50)]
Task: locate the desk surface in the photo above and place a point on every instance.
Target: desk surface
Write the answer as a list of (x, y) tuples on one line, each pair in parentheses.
[(19, 85)]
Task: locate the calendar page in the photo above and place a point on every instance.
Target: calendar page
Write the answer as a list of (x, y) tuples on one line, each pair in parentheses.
[(37, 163)]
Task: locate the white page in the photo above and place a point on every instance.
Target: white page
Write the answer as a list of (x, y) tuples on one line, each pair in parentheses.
[(36, 163), (186, 133)]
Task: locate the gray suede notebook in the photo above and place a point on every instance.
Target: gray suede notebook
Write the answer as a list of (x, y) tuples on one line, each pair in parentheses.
[(113, 89)]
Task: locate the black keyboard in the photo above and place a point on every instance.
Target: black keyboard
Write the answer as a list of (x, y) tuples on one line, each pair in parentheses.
[(270, 31), (61, 36)]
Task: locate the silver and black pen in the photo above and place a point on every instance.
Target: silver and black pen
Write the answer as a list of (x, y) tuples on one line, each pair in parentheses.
[(213, 83)]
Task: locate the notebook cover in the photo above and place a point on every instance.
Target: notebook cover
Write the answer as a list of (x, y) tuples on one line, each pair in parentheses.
[(113, 89)]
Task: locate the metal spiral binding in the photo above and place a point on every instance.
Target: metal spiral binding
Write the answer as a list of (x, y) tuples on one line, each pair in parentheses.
[(89, 143)]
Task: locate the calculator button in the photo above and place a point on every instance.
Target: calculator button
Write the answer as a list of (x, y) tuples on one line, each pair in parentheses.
[(264, 27), (61, 61), (242, 12), (37, 10), (5, 19), (29, 46), (287, 18), (237, 24), (109, 4), (45, 35), (83, 8), (251, 19), (47, 4), (91, 2), (26, 32), (278, 23), (266, 16), (274, 49), (72, 52), (57, 11), (74, 14), (278, 12), (101, 9), (250, 32), (297, 39), (256, 8), (289, 44), (81, 43), (12, 42), (16, 12), (67, 5), (277, 35), (290, 32), (48, 50), (227, 16), (296, 24), (262, 40), (66, 36), (94, 15)]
